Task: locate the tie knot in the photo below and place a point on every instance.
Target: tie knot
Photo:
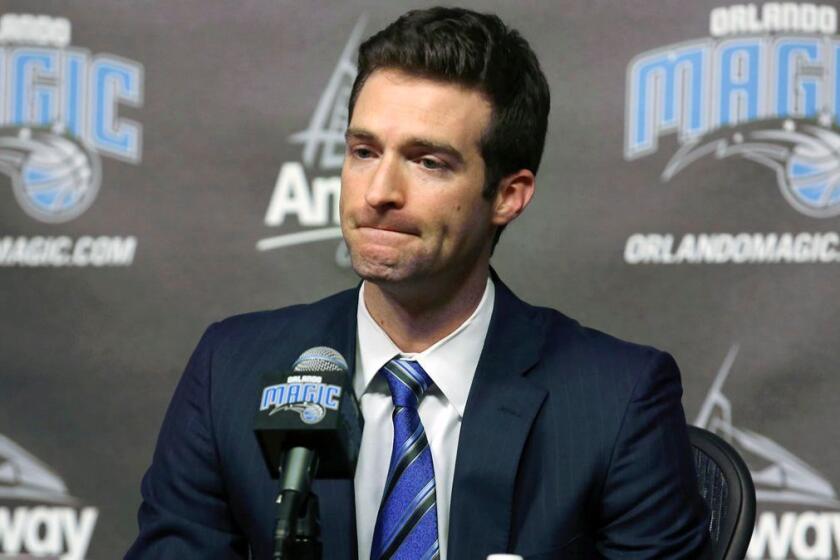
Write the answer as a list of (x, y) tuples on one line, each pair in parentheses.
[(407, 380)]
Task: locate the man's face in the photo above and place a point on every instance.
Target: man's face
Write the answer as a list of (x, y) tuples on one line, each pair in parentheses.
[(411, 203)]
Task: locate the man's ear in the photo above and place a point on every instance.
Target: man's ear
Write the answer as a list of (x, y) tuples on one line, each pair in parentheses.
[(512, 196)]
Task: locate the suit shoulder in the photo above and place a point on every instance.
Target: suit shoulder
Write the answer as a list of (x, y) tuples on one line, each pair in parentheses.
[(259, 324), (593, 350)]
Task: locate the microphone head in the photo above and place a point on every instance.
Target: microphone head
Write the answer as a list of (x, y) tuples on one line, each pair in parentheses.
[(312, 405), (318, 359)]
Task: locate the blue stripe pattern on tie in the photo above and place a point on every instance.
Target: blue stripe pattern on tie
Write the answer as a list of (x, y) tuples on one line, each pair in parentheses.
[(406, 527)]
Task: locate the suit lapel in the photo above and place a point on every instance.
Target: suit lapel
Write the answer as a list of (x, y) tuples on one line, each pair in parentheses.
[(500, 410)]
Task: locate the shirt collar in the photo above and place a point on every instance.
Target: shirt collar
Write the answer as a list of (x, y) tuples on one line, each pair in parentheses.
[(450, 362)]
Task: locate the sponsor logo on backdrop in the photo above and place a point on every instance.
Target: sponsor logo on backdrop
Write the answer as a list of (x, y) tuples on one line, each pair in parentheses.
[(59, 116), (799, 510), (763, 89), (38, 517), (304, 202)]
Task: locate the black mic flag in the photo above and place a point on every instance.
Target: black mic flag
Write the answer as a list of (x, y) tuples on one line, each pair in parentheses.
[(314, 407), (308, 425)]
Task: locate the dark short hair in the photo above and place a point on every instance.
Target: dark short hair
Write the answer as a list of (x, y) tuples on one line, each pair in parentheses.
[(477, 51)]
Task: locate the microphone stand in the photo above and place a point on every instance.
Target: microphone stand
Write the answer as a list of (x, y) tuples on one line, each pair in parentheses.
[(297, 532)]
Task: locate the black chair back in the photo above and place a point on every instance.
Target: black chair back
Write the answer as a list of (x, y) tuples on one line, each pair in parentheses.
[(727, 487)]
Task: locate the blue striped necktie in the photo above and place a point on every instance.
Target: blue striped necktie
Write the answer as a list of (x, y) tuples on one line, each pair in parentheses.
[(406, 527)]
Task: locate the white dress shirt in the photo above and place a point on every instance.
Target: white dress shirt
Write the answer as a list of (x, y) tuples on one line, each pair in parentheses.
[(451, 363)]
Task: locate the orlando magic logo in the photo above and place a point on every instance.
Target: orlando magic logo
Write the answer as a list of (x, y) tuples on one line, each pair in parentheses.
[(806, 162), (765, 95), (310, 399), (55, 177), (60, 106)]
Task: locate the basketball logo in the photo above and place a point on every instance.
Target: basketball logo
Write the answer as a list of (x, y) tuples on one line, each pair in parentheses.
[(813, 171), (55, 177), (806, 161)]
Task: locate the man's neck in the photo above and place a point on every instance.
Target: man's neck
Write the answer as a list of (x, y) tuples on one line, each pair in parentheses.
[(416, 319)]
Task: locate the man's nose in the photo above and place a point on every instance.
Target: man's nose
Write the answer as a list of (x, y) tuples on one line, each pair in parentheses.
[(386, 185)]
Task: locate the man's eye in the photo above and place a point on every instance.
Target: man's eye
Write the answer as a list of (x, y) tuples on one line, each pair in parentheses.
[(362, 153), (432, 164)]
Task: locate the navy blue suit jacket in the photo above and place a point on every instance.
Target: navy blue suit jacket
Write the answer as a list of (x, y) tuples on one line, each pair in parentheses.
[(573, 445)]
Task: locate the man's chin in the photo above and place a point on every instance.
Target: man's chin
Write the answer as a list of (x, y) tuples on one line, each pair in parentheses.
[(377, 269), (376, 272)]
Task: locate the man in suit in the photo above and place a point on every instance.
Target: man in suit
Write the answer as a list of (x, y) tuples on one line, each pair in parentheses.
[(490, 425)]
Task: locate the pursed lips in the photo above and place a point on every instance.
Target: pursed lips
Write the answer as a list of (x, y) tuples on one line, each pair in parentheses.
[(384, 230)]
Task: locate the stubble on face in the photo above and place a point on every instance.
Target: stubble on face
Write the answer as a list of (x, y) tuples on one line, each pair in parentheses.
[(411, 204)]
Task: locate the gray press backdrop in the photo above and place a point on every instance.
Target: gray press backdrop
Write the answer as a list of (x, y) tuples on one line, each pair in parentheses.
[(166, 164)]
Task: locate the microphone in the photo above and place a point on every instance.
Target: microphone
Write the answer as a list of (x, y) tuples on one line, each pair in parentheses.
[(309, 426)]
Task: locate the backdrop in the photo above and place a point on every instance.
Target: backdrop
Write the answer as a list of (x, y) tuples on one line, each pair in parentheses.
[(166, 164)]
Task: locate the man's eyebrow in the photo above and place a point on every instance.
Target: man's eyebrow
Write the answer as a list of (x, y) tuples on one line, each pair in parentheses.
[(437, 146), (359, 133)]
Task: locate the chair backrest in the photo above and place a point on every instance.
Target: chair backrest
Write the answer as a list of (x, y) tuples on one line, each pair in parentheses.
[(727, 487)]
